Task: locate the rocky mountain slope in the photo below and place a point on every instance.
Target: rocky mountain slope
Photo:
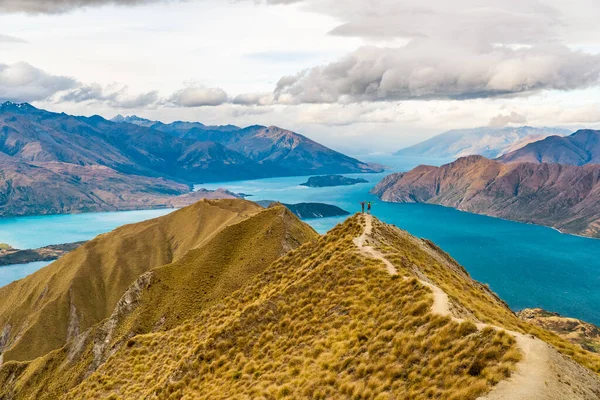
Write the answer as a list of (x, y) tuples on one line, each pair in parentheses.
[(263, 307), (487, 141), (580, 148), (561, 196)]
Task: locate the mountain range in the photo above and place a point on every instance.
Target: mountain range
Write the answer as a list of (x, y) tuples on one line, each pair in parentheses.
[(565, 197), (580, 148), (225, 299), (485, 141), (57, 163)]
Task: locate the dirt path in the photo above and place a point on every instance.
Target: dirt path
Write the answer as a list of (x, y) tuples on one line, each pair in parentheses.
[(370, 251), (542, 374)]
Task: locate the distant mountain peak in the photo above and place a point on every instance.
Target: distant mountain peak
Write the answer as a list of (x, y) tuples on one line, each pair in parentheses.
[(11, 106), (489, 142), (129, 119)]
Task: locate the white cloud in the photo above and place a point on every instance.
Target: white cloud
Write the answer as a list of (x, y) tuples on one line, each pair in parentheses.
[(11, 39), (427, 70), (501, 120), (115, 95), (199, 96), (60, 6), (22, 82)]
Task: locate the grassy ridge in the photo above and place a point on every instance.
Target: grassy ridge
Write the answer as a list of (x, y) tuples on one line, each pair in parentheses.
[(321, 322), (474, 300), (169, 295), (43, 311)]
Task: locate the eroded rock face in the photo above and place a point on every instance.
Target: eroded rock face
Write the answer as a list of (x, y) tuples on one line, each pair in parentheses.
[(103, 346), (561, 196), (575, 330)]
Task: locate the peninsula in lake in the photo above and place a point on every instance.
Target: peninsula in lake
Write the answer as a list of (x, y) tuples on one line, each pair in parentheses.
[(308, 210), (332, 180)]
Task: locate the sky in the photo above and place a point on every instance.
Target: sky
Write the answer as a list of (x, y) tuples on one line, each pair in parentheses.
[(361, 76)]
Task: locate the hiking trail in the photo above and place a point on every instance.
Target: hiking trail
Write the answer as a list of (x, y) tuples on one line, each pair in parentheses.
[(542, 374)]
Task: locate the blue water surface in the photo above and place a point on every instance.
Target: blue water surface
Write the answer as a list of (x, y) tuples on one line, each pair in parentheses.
[(39, 231)]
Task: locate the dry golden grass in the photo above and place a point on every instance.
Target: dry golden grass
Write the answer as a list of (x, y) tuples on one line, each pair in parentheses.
[(93, 278), (473, 298), (177, 292), (321, 322)]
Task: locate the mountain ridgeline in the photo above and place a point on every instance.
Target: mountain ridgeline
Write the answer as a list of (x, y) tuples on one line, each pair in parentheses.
[(580, 148), (225, 299), (58, 163), (565, 197), (489, 142)]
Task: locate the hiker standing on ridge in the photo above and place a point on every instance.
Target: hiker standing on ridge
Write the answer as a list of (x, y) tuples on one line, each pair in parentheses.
[(362, 204), (369, 208)]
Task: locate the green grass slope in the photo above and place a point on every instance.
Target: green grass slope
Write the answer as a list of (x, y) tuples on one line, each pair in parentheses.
[(43, 311)]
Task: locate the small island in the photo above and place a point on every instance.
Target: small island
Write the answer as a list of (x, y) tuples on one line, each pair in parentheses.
[(308, 210), (331, 180)]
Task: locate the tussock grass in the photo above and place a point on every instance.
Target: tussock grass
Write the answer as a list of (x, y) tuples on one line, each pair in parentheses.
[(178, 291), (321, 322), (92, 279), (421, 257)]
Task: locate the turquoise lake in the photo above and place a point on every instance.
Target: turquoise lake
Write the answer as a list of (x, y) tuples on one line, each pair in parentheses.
[(527, 265)]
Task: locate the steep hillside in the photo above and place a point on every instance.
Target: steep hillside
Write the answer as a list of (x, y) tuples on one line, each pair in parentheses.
[(488, 142), (59, 188), (367, 311), (580, 148), (44, 311), (561, 196), (167, 295)]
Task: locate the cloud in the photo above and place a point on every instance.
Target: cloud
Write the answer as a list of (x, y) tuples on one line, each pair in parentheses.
[(198, 96), (11, 39), (426, 70), (61, 6), (501, 120), (450, 51), (465, 21), (249, 99), (22, 82), (114, 95)]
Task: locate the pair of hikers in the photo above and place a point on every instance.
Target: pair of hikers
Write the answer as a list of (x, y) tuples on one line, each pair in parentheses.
[(362, 204)]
